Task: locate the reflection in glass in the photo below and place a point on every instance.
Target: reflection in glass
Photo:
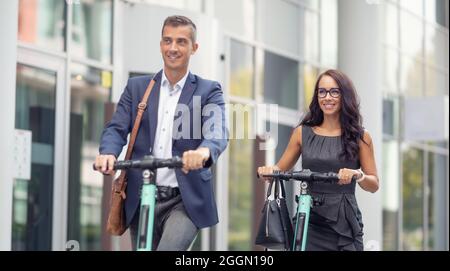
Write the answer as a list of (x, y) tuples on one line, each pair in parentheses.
[(411, 77), (192, 5), (415, 6), (390, 116), (237, 16), (311, 38), (314, 4), (390, 58), (411, 34), (241, 171), (90, 89), (413, 199), (436, 82), (329, 31), (436, 45), (33, 199), (241, 69), (435, 11), (310, 75), (92, 30), (41, 22), (437, 200), (390, 22), (430, 10), (280, 80), (277, 25), (391, 195)]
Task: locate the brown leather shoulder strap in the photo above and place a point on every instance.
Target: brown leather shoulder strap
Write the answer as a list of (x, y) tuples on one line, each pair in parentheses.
[(141, 108)]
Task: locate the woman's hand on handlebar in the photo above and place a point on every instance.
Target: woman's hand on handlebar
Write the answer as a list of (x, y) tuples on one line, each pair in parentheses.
[(345, 175), (266, 170), (104, 163)]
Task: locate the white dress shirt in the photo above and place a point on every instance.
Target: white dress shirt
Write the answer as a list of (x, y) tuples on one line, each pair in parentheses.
[(162, 148)]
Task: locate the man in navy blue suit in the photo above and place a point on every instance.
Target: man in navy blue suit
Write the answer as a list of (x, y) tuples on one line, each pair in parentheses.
[(185, 117)]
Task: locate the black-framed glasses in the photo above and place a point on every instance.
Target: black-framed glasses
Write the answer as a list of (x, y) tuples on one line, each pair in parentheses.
[(334, 92)]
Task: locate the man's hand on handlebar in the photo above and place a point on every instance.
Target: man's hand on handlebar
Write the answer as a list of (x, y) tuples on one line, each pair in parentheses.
[(195, 159), (104, 163)]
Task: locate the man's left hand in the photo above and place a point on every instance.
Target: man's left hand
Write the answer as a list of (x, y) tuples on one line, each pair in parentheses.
[(194, 159)]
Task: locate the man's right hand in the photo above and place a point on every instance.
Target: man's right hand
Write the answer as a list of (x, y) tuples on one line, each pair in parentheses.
[(105, 163)]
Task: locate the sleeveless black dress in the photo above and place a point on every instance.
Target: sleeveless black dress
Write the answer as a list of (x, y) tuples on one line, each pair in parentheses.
[(337, 223)]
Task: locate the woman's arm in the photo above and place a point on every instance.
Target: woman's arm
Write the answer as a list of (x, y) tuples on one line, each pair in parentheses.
[(290, 155), (370, 181), (292, 151)]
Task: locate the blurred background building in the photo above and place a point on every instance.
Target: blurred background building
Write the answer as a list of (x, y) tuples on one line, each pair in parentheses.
[(64, 63)]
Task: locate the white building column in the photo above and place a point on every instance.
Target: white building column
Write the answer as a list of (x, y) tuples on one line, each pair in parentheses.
[(359, 56), (8, 55)]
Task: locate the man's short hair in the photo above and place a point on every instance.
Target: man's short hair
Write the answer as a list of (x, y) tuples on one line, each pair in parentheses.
[(177, 20)]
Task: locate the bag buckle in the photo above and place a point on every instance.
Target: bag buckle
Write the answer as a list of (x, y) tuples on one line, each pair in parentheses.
[(142, 106)]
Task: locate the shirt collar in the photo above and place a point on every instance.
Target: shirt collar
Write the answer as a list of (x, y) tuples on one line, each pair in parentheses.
[(178, 86)]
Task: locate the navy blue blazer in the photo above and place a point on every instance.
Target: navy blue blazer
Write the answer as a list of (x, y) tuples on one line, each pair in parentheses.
[(195, 187)]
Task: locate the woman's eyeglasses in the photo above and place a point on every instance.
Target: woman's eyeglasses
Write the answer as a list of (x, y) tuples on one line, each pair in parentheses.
[(334, 92)]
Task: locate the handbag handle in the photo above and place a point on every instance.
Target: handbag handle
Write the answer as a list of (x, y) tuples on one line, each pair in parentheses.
[(278, 184)]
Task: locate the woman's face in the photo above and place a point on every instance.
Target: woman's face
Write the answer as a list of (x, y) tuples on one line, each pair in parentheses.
[(329, 96)]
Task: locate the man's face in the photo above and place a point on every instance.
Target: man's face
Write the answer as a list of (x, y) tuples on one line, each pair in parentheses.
[(177, 47)]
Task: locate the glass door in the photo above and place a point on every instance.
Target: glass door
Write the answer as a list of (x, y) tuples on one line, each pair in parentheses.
[(36, 217)]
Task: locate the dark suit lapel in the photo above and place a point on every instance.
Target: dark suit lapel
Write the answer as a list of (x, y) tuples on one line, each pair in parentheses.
[(153, 102), (186, 95), (188, 90)]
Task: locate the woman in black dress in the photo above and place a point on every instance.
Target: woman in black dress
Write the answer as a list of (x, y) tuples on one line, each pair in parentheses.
[(331, 138)]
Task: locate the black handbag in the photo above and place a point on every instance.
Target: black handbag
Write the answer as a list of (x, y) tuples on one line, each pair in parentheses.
[(275, 228)]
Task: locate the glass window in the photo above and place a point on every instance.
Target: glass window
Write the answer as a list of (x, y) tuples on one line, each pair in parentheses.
[(33, 199), (411, 77), (314, 4), (413, 198), (90, 89), (311, 38), (431, 10), (411, 34), (436, 45), (92, 30), (280, 81), (310, 75), (391, 196), (241, 69), (237, 16), (42, 23), (278, 25), (436, 82), (240, 187), (437, 197), (390, 64), (415, 6), (329, 31), (391, 24), (435, 11), (390, 116), (192, 5)]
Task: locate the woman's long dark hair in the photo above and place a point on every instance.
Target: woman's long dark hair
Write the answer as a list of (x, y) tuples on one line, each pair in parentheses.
[(350, 118)]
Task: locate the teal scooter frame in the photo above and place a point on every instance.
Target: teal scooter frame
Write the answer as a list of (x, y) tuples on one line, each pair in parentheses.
[(148, 195), (304, 199)]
